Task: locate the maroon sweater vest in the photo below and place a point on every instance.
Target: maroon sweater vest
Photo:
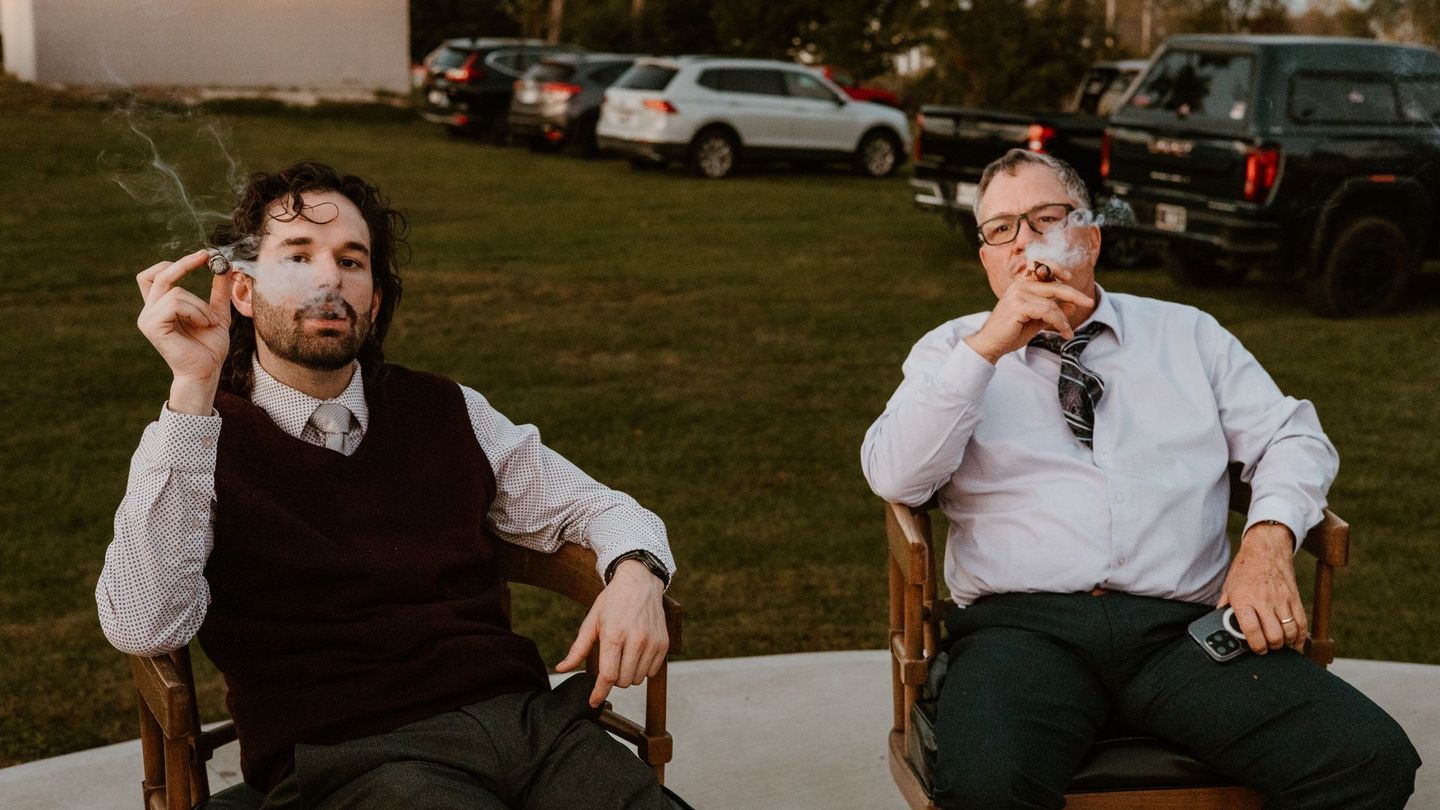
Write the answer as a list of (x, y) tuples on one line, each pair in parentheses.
[(352, 595)]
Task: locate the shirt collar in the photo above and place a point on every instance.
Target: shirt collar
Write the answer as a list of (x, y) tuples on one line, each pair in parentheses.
[(291, 410), (1105, 313)]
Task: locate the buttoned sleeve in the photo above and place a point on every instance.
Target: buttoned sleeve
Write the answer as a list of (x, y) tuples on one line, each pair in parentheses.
[(1284, 454), (543, 500), (152, 595), (919, 440)]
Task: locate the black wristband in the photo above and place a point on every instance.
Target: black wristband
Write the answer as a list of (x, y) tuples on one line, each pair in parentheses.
[(643, 557)]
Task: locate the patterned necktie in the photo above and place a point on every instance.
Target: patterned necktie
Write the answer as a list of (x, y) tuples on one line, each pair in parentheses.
[(333, 420), (1080, 388)]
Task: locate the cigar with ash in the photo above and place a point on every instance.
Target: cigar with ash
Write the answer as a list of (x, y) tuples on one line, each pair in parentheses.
[(218, 263), (1042, 272)]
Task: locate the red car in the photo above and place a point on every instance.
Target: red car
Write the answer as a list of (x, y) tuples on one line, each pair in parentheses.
[(854, 90)]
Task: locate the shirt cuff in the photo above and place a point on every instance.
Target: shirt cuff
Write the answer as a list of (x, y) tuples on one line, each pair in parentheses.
[(611, 535), (186, 441), (965, 372), (1273, 508)]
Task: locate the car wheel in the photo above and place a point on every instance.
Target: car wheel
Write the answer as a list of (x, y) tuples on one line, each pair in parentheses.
[(1365, 272), (877, 155), (1195, 266), (713, 154)]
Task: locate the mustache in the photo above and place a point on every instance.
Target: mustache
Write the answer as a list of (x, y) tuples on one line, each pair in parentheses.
[(326, 306)]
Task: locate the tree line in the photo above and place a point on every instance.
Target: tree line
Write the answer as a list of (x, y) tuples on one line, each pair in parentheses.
[(1019, 53)]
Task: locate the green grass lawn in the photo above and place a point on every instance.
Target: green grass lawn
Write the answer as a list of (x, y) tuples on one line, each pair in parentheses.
[(716, 349)]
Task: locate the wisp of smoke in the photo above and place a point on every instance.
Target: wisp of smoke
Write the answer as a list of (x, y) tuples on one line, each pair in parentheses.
[(1057, 249)]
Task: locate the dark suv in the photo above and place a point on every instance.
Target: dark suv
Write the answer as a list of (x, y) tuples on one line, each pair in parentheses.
[(468, 82), (1315, 158), (557, 102)]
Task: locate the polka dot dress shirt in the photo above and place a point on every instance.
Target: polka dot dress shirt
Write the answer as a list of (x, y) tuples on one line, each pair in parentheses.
[(152, 594)]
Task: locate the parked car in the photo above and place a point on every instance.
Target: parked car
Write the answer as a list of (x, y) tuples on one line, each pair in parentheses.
[(714, 113), (858, 91), (1314, 158), (557, 102), (954, 144), (468, 82)]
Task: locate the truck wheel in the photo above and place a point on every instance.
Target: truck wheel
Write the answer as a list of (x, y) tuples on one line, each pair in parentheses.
[(712, 154), (1193, 266), (877, 155), (1366, 270)]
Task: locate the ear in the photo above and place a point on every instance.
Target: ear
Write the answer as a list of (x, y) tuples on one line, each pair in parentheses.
[(1093, 248), (374, 305), (241, 294)]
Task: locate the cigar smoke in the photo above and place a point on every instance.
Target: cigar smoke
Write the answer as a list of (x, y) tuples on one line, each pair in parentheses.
[(1058, 249)]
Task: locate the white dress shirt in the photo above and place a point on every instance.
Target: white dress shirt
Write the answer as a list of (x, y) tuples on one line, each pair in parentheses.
[(1031, 509), (152, 594)]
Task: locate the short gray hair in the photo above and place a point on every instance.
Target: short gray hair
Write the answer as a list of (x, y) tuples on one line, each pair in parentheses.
[(1010, 164)]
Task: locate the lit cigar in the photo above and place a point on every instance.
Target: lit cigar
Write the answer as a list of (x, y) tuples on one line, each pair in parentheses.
[(1043, 272), (218, 264)]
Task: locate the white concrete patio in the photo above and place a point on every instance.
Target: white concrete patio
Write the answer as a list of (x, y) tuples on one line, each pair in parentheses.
[(784, 731)]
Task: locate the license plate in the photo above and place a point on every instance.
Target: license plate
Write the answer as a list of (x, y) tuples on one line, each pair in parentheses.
[(1169, 217), (438, 98), (965, 194)]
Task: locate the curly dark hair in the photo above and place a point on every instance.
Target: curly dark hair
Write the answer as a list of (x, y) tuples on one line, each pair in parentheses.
[(388, 249)]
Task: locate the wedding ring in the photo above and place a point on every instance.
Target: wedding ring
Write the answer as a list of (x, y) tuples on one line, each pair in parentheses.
[(1290, 620)]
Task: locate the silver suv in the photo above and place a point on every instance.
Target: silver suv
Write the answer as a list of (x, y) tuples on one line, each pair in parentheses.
[(712, 113)]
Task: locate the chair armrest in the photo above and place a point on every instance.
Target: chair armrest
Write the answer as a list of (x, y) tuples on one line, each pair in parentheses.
[(167, 694), (1329, 541), (909, 542)]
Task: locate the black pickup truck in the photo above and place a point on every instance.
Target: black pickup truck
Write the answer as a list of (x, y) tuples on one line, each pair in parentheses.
[(953, 145), (1308, 158)]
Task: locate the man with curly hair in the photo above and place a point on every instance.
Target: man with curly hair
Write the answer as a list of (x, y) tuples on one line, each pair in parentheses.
[(324, 523)]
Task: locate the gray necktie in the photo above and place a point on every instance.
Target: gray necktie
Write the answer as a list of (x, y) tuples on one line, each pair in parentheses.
[(1080, 388), (333, 420)]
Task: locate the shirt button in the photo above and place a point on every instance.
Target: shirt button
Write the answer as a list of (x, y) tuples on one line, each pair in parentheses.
[(1123, 560), (1119, 497)]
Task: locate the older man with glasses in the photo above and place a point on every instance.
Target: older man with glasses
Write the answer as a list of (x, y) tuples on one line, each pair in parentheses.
[(1078, 440)]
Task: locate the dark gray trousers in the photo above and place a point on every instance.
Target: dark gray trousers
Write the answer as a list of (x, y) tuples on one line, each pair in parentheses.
[(1034, 677), (528, 750)]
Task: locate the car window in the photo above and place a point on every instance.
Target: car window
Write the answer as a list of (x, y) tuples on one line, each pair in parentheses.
[(1420, 99), (646, 77), (803, 85), (508, 61), (550, 72), (1114, 92), (757, 82), (448, 58), (607, 74), (1342, 99), (1201, 85)]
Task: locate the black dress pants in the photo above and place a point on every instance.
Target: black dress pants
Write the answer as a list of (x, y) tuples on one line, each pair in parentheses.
[(1034, 677), (528, 750)]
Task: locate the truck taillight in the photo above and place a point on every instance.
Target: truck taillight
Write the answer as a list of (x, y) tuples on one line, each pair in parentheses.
[(1038, 136), (1105, 154), (1262, 164)]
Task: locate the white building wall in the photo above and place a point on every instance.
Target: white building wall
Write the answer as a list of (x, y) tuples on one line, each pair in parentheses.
[(328, 46), (17, 25)]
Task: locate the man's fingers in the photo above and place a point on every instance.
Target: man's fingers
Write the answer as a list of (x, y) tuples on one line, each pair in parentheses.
[(167, 277), (631, 657), (1050, 314), (220, 296), (146, 278), (609, 671), (1059, 292), (584, 640), (1250, 625)]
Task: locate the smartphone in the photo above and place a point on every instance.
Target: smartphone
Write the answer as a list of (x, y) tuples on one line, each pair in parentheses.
[(1219, 635)]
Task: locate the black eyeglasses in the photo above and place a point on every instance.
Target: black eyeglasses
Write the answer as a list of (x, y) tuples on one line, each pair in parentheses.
[(1042, 219)]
